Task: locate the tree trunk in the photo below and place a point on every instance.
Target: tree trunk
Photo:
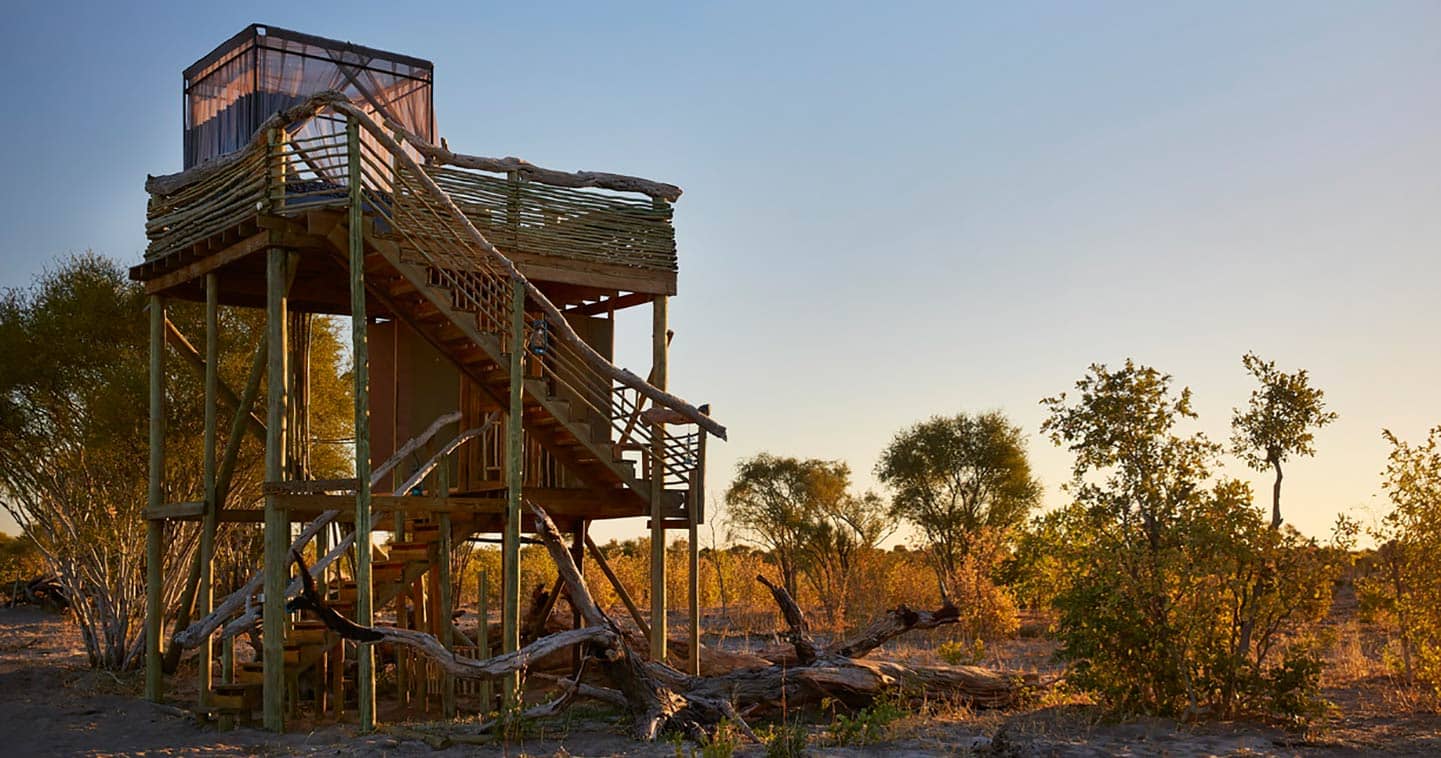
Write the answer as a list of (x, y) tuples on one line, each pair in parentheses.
[(1276, 494)]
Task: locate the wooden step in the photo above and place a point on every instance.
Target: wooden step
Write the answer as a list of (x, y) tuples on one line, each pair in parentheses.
[(250, 673), (387, 571), (308, 636), (235, 697), (410, 551), (423, 532)]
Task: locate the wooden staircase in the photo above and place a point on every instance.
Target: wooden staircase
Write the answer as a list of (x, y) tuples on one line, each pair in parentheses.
[(573, 436), (311, 647)]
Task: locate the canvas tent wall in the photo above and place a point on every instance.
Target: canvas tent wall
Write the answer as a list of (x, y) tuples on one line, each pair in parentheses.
[(264, 69)]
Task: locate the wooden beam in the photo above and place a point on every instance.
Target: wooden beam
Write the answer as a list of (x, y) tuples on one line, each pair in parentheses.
[(190, 272), (610, 304), (238, 422), (177, 340), (182, 511), (537, 267), (619, 588), (533, 173), (310, 486), (155, 529)]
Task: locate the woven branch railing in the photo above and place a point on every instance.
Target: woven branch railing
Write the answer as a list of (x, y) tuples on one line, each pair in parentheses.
[(432, 230), (527, 217), (459, 258), (299, 161)]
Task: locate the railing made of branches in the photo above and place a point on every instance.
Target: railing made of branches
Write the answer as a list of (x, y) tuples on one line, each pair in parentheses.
[(308, 168)]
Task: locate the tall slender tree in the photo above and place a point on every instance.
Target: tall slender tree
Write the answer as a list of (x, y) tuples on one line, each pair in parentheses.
[(1278, 423)]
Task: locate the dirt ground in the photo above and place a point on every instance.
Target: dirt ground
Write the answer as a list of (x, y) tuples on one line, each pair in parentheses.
[(53, 704)]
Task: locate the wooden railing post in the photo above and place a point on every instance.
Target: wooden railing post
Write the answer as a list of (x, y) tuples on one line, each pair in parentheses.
[(155, 528), (275, 173), (360, 373)]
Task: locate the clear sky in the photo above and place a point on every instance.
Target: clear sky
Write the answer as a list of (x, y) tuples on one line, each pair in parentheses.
[(892, 209)]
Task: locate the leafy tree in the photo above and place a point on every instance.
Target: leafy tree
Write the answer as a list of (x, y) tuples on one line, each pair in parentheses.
[(1162, 562), (954, 476), (20, 559), (775, 502), (74, 444), (1406, 578), (839, 538), (1279, 422)]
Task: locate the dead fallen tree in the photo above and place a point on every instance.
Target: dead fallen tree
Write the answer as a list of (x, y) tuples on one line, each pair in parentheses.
[(658, 698), (48, 592)]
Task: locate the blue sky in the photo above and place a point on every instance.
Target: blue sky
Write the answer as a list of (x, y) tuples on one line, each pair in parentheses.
[(893, 210)]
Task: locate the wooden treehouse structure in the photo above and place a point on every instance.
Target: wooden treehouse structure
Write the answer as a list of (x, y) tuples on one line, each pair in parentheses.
[(481, 293)]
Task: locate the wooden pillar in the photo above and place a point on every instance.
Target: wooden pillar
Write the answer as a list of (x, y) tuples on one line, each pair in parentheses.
[(206, 597), (514, 477), (277, 525), (155, 528), (482, 640), (577, 554), (693, 513), (447, 601), (364, 613), (660, 355)]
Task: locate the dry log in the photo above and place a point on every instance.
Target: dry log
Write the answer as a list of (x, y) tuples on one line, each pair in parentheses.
[(658, 698), (428, 645), (238, 600), (896, 622), (798, 635)]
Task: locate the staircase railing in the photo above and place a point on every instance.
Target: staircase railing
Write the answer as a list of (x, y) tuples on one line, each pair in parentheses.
[(307, 167)]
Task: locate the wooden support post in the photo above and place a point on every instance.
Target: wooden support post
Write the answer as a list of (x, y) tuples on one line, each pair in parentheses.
[(693, 514), (238, 423), (277, 525), (155, 528), (447, 601), (619, 588), (482, 640), (364, 613), (660, 355), (577, 554), (206, 596), (227, 675), (403, 619), (514, 477)]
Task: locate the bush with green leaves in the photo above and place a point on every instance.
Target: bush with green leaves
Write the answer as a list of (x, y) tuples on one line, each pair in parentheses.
[(1401, 582), (1180, 598)]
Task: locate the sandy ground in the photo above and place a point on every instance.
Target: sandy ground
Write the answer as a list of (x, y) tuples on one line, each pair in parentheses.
[(51, 703)]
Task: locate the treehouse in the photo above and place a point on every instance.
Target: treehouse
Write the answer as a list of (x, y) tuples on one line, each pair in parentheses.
[(481, 294)]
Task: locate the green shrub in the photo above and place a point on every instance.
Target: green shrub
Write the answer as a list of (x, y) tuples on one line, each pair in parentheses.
[(785, 740), (961, 653), (868, 725)]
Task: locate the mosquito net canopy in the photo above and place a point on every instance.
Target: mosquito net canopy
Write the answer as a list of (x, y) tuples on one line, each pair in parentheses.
[(263, 69)]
